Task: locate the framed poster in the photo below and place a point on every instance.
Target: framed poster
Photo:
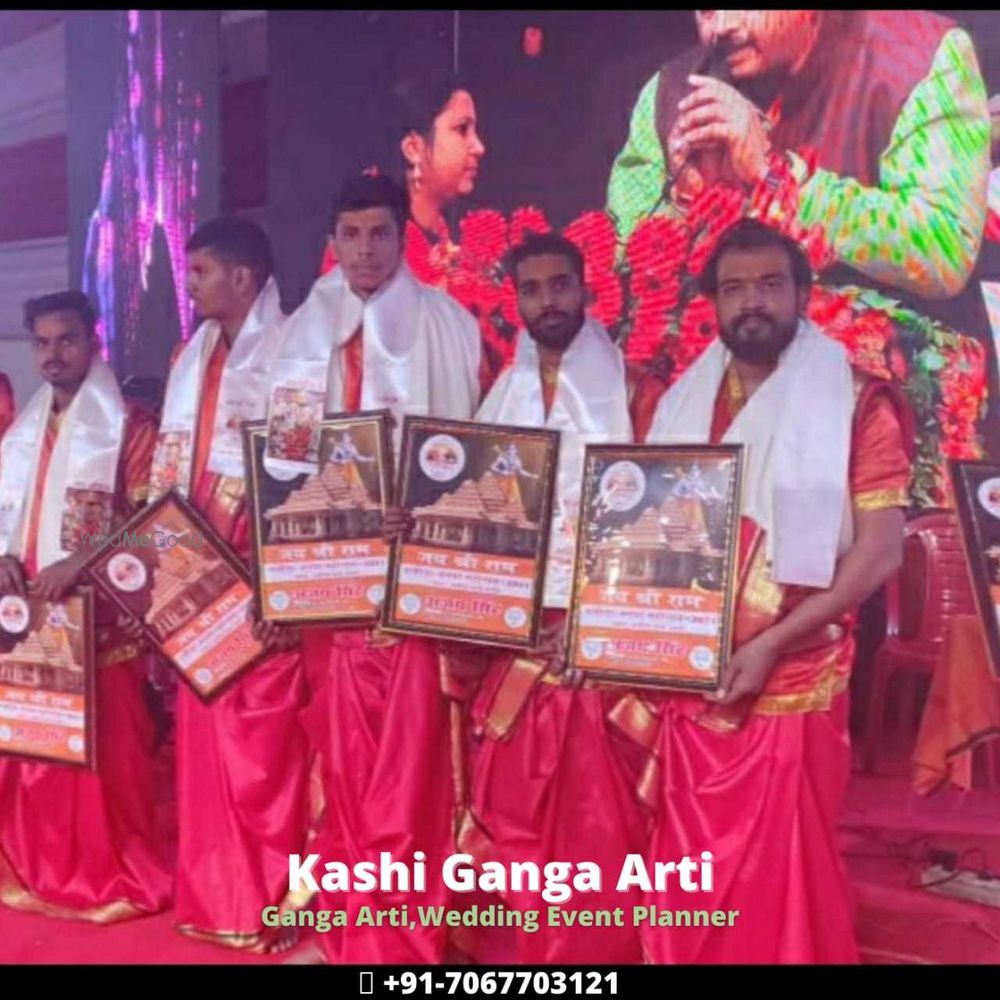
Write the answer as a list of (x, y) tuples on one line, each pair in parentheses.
[(169, 569), (47, 681), (293, 433), (654, 580), (473, 567), (318, 553), (977, 501)]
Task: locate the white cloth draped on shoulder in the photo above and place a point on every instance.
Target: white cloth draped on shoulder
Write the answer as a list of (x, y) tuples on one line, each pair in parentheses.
[(590, 406), (797, 432), (421, 348), (84, 457), (242, 395)]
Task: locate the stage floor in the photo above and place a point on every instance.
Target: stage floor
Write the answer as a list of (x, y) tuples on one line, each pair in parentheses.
[(885, 833)]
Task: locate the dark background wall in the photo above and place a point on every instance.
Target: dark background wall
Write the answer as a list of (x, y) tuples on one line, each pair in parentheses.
[(330, 80), (551, 124)]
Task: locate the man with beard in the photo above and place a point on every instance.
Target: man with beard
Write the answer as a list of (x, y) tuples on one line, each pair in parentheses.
[(755, 771), (892, 103), (74, 466), (544, 778)]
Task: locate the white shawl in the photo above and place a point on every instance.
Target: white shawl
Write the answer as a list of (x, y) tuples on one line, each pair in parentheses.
[(85, 457), (590, 405), (242, 394), (421, 348), (797, 432)]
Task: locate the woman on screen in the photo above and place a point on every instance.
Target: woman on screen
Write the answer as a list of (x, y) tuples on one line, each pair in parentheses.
[(441, 148)]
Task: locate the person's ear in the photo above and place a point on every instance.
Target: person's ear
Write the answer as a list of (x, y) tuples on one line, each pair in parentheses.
[(589, 298), (243, 279), (412, 146)]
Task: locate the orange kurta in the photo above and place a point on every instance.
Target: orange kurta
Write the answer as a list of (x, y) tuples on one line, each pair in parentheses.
[(760, 784), (80, 844), (242, 761)]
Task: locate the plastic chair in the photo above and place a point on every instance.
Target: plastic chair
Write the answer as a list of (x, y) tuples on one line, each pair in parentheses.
[(931, 586)]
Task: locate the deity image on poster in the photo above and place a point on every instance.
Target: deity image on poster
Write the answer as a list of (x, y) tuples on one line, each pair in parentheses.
[(294, 430), (473, 563), (653, 586), (678, 538), (319, 551), (341, 500)]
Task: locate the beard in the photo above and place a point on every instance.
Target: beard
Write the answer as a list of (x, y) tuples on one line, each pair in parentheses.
[(556, 330), (758, 339)]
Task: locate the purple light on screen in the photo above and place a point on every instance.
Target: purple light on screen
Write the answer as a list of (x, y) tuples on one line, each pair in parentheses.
[(148, 182)]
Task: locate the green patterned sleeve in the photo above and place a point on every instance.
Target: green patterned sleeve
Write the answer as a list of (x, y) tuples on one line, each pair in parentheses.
[(635, 188), (921, 228)]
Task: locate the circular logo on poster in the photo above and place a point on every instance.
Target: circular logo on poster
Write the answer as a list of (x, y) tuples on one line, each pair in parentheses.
[(203, 677), (14, 614), (442, 457), (410, 604), (75, 743), (126, 572), (623, 485), (989, 496), (515, 617), (592, 649), (376, 594), (279, 600), (5, 734), (702, 658)]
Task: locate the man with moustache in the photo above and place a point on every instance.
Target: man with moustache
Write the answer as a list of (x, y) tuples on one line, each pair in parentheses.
[(755, 772), (74, 466), (891, 102), (544, 777)]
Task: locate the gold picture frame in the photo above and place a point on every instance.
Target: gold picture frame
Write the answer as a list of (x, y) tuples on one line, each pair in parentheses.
[(318, 554), (654, 578), (170, 570), (473, 568), (48, 681)]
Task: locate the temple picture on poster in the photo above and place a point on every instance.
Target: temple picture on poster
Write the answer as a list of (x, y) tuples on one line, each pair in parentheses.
[(550, 435)]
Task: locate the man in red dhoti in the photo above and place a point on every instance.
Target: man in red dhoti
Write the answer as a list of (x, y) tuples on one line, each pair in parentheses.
[(370, 336), (755, 773), (75, 463), (242, 760), (545, 780)]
